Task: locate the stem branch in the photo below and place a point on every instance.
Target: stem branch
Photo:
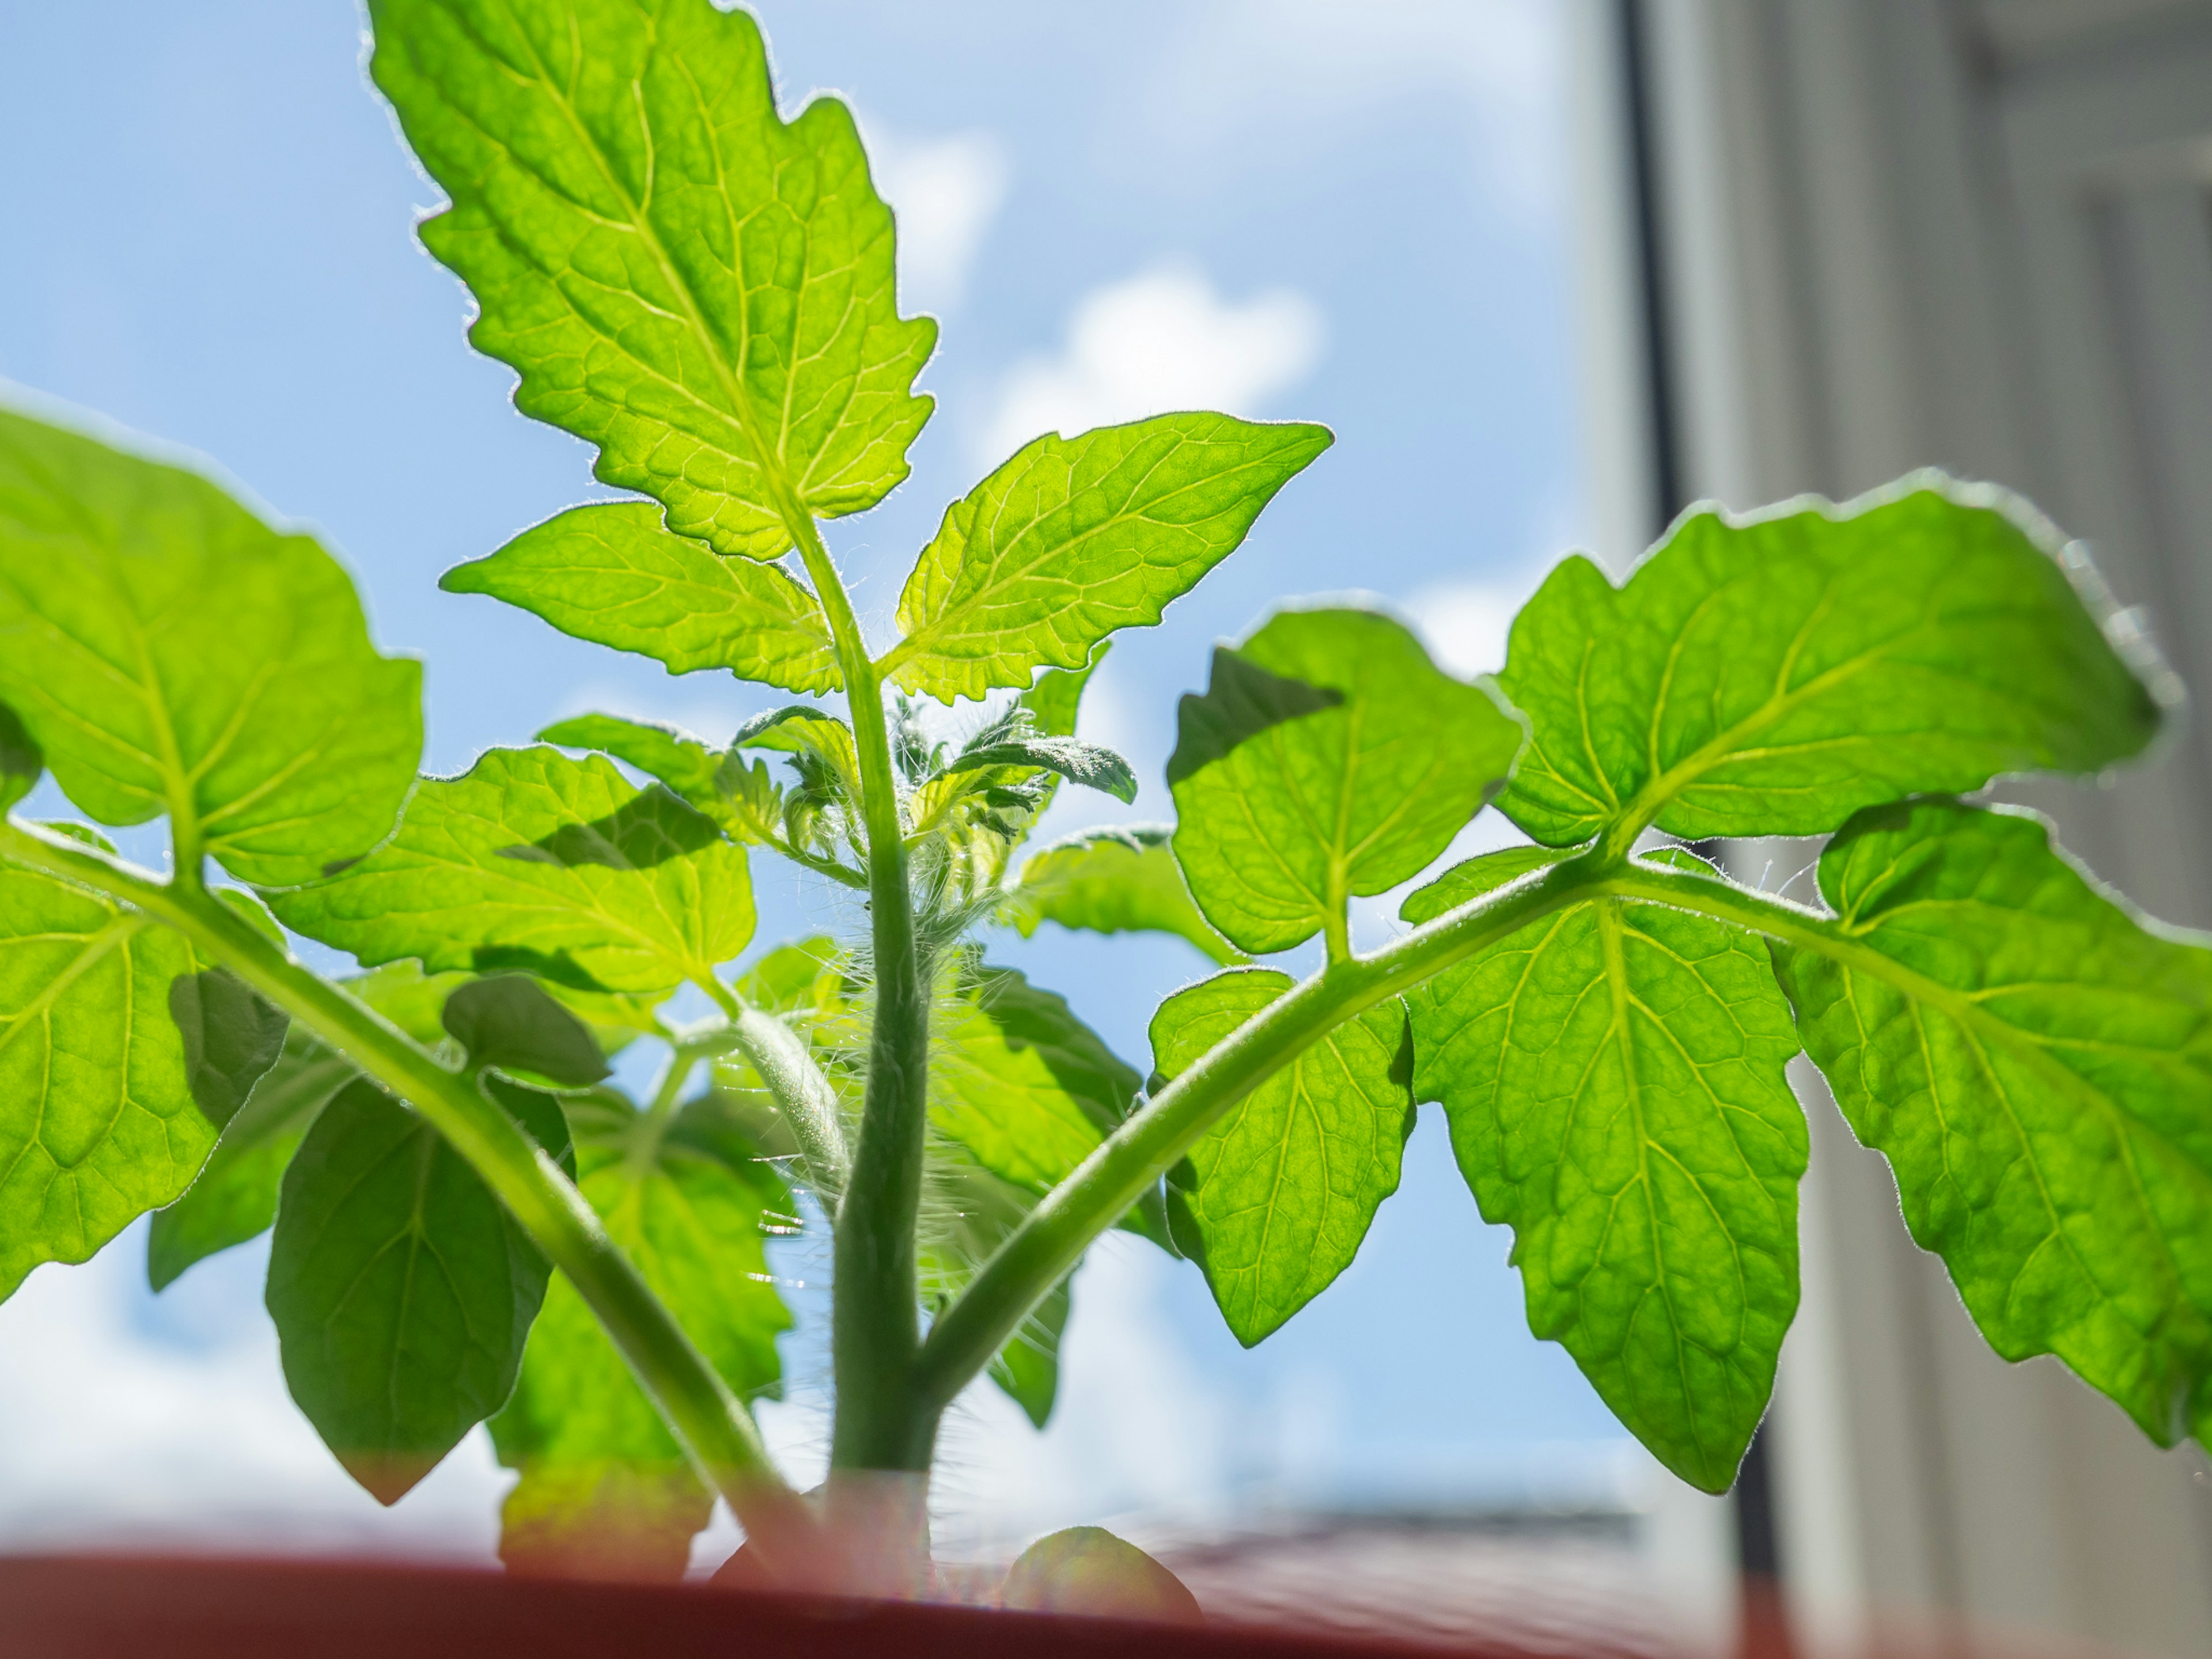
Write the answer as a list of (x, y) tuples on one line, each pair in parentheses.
[(697, 1405), (1040, 1252)]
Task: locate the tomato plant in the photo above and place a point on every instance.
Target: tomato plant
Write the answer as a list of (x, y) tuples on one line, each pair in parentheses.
[(472, 1224)]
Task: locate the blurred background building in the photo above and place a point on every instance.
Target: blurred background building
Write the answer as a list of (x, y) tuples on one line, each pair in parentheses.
[(1553, 269)]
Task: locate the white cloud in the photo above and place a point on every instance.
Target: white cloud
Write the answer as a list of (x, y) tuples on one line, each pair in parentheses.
[(1161, 340), (1294, 69), (946, 193), (168, 1426)]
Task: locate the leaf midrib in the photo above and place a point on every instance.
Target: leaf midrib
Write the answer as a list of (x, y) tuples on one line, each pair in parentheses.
[(770, 461)]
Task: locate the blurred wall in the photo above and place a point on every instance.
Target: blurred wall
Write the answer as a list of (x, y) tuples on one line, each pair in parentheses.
[(1977, 234)]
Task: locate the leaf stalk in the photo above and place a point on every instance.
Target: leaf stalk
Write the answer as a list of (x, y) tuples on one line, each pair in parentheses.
[(706, 1416)]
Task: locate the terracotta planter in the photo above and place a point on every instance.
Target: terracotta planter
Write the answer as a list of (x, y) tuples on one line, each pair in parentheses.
[(129, 1607)]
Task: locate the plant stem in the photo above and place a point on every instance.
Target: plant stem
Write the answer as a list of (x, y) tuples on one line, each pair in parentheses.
[(882, 1422), (697, 1405), (808, 1102), (1053, 1237), (806, 1097)]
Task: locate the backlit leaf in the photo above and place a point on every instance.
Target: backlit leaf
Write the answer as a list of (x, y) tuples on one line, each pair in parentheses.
[(1076, 537), (2037, 1066), (1345, 766), (605, 1491), (1022, 1085), (686, 765), (291, 746), (1275, 1198), (979, 1212), (401, 1289), (1766, 676), (534, 861), (98, 1121), (234, 1197), (1117, 880), (612, 573), (1612, 1075), (701, 290)]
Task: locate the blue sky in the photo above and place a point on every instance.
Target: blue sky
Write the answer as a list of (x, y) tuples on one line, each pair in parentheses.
[(1347, 212)]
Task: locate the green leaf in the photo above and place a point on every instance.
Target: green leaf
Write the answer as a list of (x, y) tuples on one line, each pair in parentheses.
[(401, 1289), (536, 861), (1057, 696), (1329, 757), (703, 291), (98, 1118), (605, 1488), (234, 1197), (252, 909), (508, 1022), (1115, 880), (686, 765), (1086, 764), (1076, 537), (21, 765), (2037, 1065), (1614, 1077), (612, 574), (1015, 1078), (1769, 676), (231, 1038), (1088, 1572), (1275, 1198), (292, 745), (979, 1211)]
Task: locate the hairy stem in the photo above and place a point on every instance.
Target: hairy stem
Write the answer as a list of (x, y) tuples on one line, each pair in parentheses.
[(806, 1097), (882, 1422), (1053, 1237), (698, 1407)]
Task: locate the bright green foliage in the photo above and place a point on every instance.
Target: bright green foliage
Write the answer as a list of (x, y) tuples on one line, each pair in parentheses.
[(1024, 1086), (535, 861), (686, 765), (681, 278), (612, 573), (2037, 1065), (1119, 880), (97, 1118), (1289, 804), (980, 1211), (604, 1485), (1768, 677), (291, 746), (234, 1197), (1076, 537), (706, 292), (401, 1291), (1614, 1079), (1273, 1199)]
